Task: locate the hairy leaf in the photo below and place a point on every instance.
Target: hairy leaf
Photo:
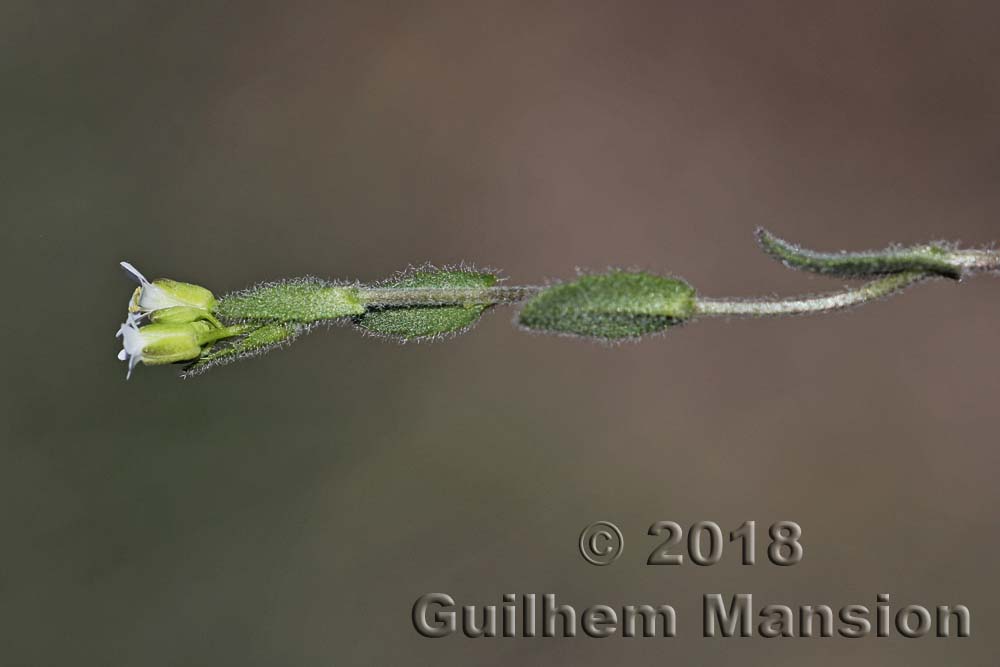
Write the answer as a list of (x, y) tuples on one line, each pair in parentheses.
[(408, 322), (934, 259), (256, 342), (301, 300), (614, 305)]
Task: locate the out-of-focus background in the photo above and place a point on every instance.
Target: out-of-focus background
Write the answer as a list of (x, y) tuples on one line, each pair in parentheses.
[(289, 510)]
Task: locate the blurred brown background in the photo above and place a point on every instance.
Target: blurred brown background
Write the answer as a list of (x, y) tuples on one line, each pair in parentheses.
[(289, 510)]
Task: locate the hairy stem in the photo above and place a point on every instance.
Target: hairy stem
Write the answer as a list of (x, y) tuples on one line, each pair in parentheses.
[(874, 290), (877, 289), (976, 260)]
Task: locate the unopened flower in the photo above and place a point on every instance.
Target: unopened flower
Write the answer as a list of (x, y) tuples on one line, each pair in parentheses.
[(169, 301), (161, 343)]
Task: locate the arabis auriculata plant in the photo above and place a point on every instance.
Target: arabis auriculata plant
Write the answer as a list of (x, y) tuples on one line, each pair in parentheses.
[(174, 322)]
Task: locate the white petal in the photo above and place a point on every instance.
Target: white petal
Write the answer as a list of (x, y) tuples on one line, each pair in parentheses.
[(132, 339), (135, 273), (122, 355), (131, 364), (154, 297)]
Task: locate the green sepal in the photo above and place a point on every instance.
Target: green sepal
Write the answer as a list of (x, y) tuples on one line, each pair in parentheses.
[(164, 293), (615, 305), (182, 315), (188, 293), (170, 343), (411, 322)]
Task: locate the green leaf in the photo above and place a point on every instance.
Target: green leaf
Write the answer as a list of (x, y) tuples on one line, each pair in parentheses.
[(256, 342), (615, 305), (929, 258), (303, 300), (407, 322)]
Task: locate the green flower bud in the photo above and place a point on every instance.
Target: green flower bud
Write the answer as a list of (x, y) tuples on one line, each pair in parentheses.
[(615, 305), (164, 293), (156, 344)]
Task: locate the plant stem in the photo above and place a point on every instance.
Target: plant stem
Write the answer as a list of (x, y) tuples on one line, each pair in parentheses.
[(876, 289), (976, 260), (890, 270)]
